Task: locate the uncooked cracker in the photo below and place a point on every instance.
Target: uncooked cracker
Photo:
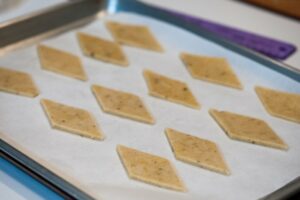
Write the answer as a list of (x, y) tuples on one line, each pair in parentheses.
[(134, 35), (248, 129), (212, 69), (101, 49), (196, 151), (61, 62), (17, 82), (280, 104), (71, 119), (170, 89), (149, 168), (122, 104)]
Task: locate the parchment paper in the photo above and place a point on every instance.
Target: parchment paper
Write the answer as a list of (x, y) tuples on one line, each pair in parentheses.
[(256, 170)]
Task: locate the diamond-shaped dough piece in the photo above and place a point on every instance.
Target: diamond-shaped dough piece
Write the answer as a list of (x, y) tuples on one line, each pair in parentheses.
[(247, 129), (170, 89), (103, 50), (212, 69), (17, 82), (196, 151), (280, 104), (61, 62), (134, 35), (122, 104), (150, 168), (71, 119)]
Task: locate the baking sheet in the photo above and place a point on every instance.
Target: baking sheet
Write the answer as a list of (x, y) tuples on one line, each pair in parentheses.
[(256, 170), (12, 9)]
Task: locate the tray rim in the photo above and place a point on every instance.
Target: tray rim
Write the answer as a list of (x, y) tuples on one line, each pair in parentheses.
[(36, 166), (12, 27)]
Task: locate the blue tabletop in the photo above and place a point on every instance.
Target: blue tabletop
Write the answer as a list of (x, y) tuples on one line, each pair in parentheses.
[(16, 184)]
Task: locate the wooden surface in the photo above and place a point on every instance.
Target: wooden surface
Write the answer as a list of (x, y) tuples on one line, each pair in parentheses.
[(287, 7)]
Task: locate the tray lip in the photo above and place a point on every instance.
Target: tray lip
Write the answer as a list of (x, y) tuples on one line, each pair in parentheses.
[(31, 28), (36, 166), (48, 174), (34, 13), (4, 155)]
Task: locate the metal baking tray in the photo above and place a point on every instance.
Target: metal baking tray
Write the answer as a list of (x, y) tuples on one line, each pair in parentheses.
[(37, 26)]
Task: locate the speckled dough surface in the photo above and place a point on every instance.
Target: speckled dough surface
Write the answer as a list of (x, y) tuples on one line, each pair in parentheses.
[(150, 168), (17, 82), (196, 151), (134, 35), (280, 104), (248, 129), (170, 89), (212, 69), (122, 104), (101, 49), (71, 119), (61, 62)]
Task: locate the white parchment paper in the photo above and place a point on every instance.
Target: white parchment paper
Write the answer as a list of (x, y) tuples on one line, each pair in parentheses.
[(256, 170)]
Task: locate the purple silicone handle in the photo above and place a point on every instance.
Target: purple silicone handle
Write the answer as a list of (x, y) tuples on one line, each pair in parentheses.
[(275, 49)]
